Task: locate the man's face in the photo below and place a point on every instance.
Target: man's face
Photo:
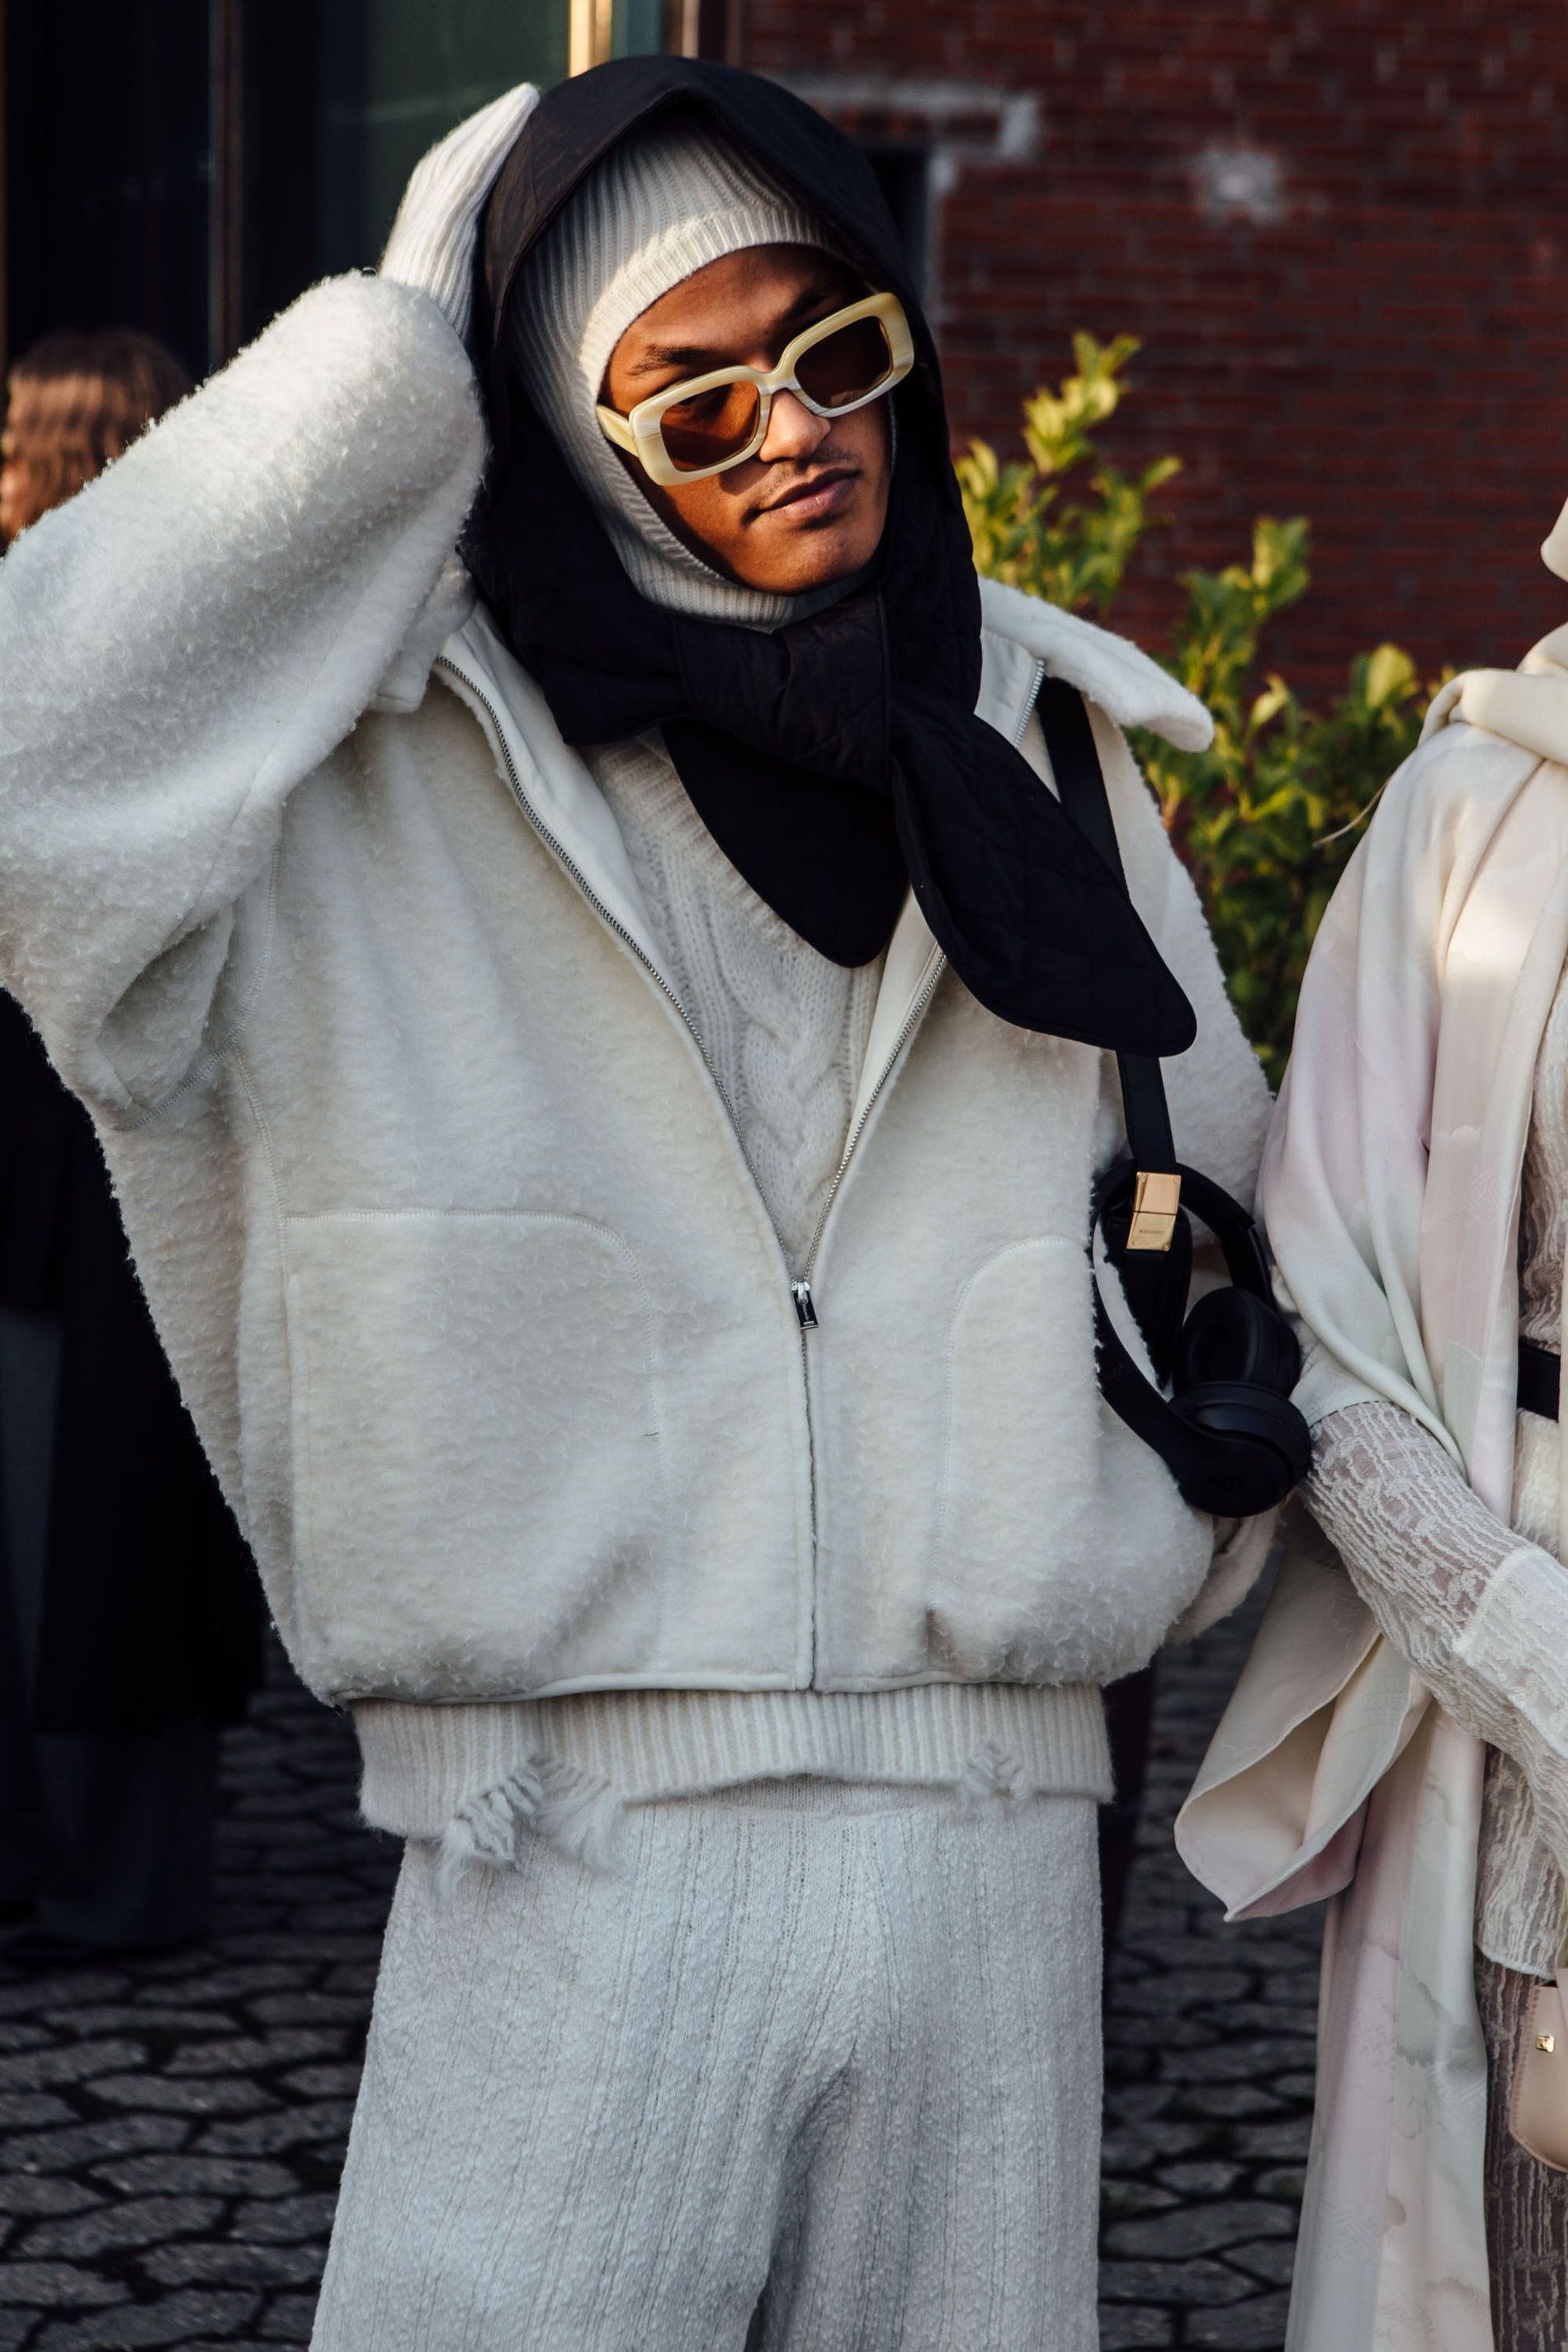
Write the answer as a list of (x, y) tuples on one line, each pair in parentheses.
[(810, 506)]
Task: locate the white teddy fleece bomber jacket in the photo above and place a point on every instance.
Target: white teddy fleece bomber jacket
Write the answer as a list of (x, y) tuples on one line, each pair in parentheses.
[(440, 1213)]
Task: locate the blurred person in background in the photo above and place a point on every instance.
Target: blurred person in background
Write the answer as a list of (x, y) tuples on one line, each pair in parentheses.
[(129, 1609), (526, 831)]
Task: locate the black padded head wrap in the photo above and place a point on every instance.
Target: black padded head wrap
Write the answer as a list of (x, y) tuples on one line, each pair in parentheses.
[(838, 756)]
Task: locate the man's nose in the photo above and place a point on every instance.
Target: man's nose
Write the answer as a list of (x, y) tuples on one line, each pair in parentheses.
[(793, 431)]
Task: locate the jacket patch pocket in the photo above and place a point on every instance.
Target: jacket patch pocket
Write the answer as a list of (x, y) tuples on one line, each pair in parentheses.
[(477, 1468)]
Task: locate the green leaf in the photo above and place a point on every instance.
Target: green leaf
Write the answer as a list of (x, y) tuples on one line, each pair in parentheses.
[(1390, 677)]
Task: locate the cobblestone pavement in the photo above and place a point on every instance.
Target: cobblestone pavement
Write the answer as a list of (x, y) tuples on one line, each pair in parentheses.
[(171, 2132), (1209, 2049)]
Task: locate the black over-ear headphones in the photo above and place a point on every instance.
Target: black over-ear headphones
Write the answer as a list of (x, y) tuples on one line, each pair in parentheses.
[(1228, 1433)]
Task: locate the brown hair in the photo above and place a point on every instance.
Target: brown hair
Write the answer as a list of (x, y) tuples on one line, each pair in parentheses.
[(75, 403)]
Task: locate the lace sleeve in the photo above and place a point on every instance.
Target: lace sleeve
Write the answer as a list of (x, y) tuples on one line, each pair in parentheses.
[(1482, 1614)]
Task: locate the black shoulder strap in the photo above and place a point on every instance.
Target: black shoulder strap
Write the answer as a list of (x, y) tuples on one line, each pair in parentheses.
[(1080, 785)]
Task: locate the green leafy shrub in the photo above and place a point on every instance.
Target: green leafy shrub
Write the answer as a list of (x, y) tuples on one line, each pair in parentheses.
[(1267, 816)]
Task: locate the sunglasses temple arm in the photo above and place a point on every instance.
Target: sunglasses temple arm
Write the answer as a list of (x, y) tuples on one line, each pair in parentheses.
[(617, 430)]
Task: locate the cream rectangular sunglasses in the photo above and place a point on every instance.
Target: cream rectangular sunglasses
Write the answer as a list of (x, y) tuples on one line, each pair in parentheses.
[(707, 423)]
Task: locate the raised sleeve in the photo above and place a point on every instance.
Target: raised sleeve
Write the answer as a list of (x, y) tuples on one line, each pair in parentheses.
[(186, 640)]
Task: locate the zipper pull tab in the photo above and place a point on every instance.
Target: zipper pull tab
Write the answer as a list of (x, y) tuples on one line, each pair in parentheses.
[(805, 1307)]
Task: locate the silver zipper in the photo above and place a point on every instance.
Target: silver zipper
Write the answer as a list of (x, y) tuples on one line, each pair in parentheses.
[(1034, 695)]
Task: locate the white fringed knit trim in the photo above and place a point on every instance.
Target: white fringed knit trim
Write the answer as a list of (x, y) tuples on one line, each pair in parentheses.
[(477, 1778), (581, 1817), (540, 1796)]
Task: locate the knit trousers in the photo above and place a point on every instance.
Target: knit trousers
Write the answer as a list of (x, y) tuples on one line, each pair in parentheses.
[(812, 2069)]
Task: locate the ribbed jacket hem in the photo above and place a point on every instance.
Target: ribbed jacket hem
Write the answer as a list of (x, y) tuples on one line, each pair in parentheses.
[(423, 1763)]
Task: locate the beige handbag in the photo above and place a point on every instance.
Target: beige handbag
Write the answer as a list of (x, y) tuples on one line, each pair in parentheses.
[(1538, 2107)]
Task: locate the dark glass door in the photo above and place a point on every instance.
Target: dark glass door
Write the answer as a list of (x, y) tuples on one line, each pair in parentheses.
[(108, 170), (393, 76)]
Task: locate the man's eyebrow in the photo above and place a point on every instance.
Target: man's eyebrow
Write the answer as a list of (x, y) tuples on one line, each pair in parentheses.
[(694, 358), (697, 358)]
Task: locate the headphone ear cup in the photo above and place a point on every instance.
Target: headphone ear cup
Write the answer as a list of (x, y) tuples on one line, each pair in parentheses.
[(1234, 1337), (1266, 1448)]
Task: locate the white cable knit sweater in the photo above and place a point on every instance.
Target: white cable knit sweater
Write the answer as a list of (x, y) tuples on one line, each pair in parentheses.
[(784, 1029)]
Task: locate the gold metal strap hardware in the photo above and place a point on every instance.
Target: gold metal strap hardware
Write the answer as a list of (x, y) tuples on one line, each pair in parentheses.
[(1156, 1204)]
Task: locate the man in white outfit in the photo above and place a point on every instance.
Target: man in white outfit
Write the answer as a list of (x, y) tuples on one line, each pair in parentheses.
[(518, 821)]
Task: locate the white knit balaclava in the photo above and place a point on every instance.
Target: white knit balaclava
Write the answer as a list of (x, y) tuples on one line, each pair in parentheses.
[(664, 203)]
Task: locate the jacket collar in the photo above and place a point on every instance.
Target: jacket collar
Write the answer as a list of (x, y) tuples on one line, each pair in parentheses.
[(551, 780), (1117, 676)]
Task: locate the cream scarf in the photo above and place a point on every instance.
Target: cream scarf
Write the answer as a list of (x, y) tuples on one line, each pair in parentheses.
[(1390, 1190)]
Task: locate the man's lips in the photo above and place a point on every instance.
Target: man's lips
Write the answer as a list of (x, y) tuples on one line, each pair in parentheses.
[(826, 493)]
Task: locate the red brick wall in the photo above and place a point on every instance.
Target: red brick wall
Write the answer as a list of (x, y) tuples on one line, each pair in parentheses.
[(1341, 230)]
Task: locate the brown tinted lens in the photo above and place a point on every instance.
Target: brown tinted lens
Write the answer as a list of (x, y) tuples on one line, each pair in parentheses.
[(846, 366), (709, 427)]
